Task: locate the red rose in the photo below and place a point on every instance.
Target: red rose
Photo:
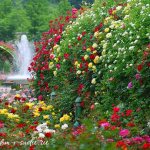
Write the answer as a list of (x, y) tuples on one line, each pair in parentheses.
[(32, 147), (116, 109), (40, 109), (92, 56), (128, 112), (21, 125), (48, 134), (139, 67), (66, 55), (120, 144), (13, 110), (146, 146)]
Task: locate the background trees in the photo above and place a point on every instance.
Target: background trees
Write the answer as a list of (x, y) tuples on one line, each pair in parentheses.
[(30, 16)]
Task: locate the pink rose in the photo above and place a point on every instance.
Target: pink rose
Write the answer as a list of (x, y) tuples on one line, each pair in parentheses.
[(52, 56), (124, 132), (138, 76), (58, 66), (74, 11), (40, 97), (105, 124)]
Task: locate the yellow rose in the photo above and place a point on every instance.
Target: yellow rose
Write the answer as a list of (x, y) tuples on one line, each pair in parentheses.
[(53, 113), (46, 116), (17, 120), (30, 105), (106, 30), (36, 114), (55, 73), (10, 115), (94, 68), (96, 34), (56, 46), (48, 122), (94, 52), (57, 126), (56, 59), (51, 65), (76, 63), (3, 111), (44, 107), (114, 12), (97, 59), (88, 49), (94, 45), (90, 65), (86, 57), (49, 107), (17, 95), (61, 119), (66, 117), (58, 49)]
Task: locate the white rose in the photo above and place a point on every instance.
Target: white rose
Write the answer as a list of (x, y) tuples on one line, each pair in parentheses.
[(108, 35), (64, 126), (78, 72), (118, 8), (94, 45), (93, 81), (41, 135)]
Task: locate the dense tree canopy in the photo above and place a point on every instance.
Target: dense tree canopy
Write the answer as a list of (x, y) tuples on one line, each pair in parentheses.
[(30, 16)]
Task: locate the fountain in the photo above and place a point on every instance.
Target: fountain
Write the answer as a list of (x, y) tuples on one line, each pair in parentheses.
[(23, 58)]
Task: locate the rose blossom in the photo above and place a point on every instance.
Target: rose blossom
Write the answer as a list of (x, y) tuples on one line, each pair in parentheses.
[(124, 132), (105, 124), (130, 85), (138, 76), (1, 124)]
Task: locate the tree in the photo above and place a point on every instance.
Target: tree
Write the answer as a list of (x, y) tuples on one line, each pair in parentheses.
[(37, 11), (13, 19)]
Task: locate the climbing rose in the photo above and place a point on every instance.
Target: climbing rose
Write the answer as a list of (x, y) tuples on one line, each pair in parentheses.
[(66, 56), (116, 109), (139, 67), (137, 76), (130, 85)]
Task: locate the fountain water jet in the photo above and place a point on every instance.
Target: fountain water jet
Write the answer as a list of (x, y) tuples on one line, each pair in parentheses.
[(24, 57)]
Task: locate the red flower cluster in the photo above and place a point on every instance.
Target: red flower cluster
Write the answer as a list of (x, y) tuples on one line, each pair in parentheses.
[(44, 51)]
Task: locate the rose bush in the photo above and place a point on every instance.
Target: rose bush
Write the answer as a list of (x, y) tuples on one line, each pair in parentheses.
[(97, 56)]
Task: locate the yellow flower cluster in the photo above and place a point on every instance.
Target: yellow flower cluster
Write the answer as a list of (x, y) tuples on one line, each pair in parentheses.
[(44, 107), (30, 105), (65, 118), (8, 115)]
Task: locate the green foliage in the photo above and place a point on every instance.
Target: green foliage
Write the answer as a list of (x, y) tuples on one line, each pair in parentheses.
[(29, 17)]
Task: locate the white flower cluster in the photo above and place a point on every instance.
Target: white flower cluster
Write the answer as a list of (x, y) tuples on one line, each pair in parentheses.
[(42, 129)]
